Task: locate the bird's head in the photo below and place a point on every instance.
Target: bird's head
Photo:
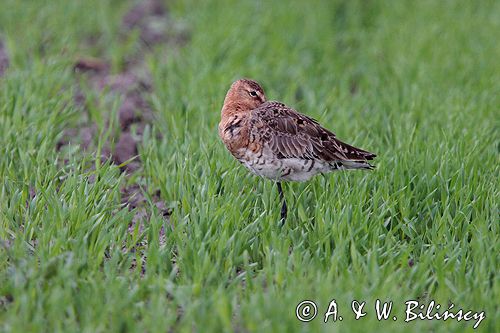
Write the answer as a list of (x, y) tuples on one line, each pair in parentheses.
[(245, 95)]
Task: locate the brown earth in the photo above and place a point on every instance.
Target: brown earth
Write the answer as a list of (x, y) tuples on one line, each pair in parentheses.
[(4, 58), (132, 85)]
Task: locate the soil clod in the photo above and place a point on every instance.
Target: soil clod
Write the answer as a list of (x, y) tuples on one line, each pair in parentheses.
[(4, 58)]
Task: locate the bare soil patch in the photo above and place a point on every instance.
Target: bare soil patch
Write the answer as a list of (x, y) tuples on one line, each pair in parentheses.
[(4, 58), (132, 84)]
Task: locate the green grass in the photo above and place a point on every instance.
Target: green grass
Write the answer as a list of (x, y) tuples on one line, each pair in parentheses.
[(416, 82)]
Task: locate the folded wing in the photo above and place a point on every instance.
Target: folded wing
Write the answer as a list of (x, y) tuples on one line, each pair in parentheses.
[(293, 135)]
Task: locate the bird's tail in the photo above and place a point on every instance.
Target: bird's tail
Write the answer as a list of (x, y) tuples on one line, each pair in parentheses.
[(353, 158), (352, 164)]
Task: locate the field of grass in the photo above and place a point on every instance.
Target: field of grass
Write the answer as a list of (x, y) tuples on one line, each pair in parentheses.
[(416, 82)]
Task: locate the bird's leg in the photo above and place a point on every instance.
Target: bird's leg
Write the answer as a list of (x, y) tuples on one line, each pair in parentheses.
[(283, 208)]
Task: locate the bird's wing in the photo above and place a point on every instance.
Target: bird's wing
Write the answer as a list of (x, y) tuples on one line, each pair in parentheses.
[(293, 135)]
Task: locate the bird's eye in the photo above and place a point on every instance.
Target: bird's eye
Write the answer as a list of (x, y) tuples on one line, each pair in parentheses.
[(253, 93)]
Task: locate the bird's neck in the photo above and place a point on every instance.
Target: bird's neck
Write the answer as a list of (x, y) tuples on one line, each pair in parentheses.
[(231, 108)]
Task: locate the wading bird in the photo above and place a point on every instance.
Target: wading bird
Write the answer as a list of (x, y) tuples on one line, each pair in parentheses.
[(279, 143)]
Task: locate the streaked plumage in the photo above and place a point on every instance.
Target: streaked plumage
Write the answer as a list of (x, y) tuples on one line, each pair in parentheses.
[(279, 143)]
